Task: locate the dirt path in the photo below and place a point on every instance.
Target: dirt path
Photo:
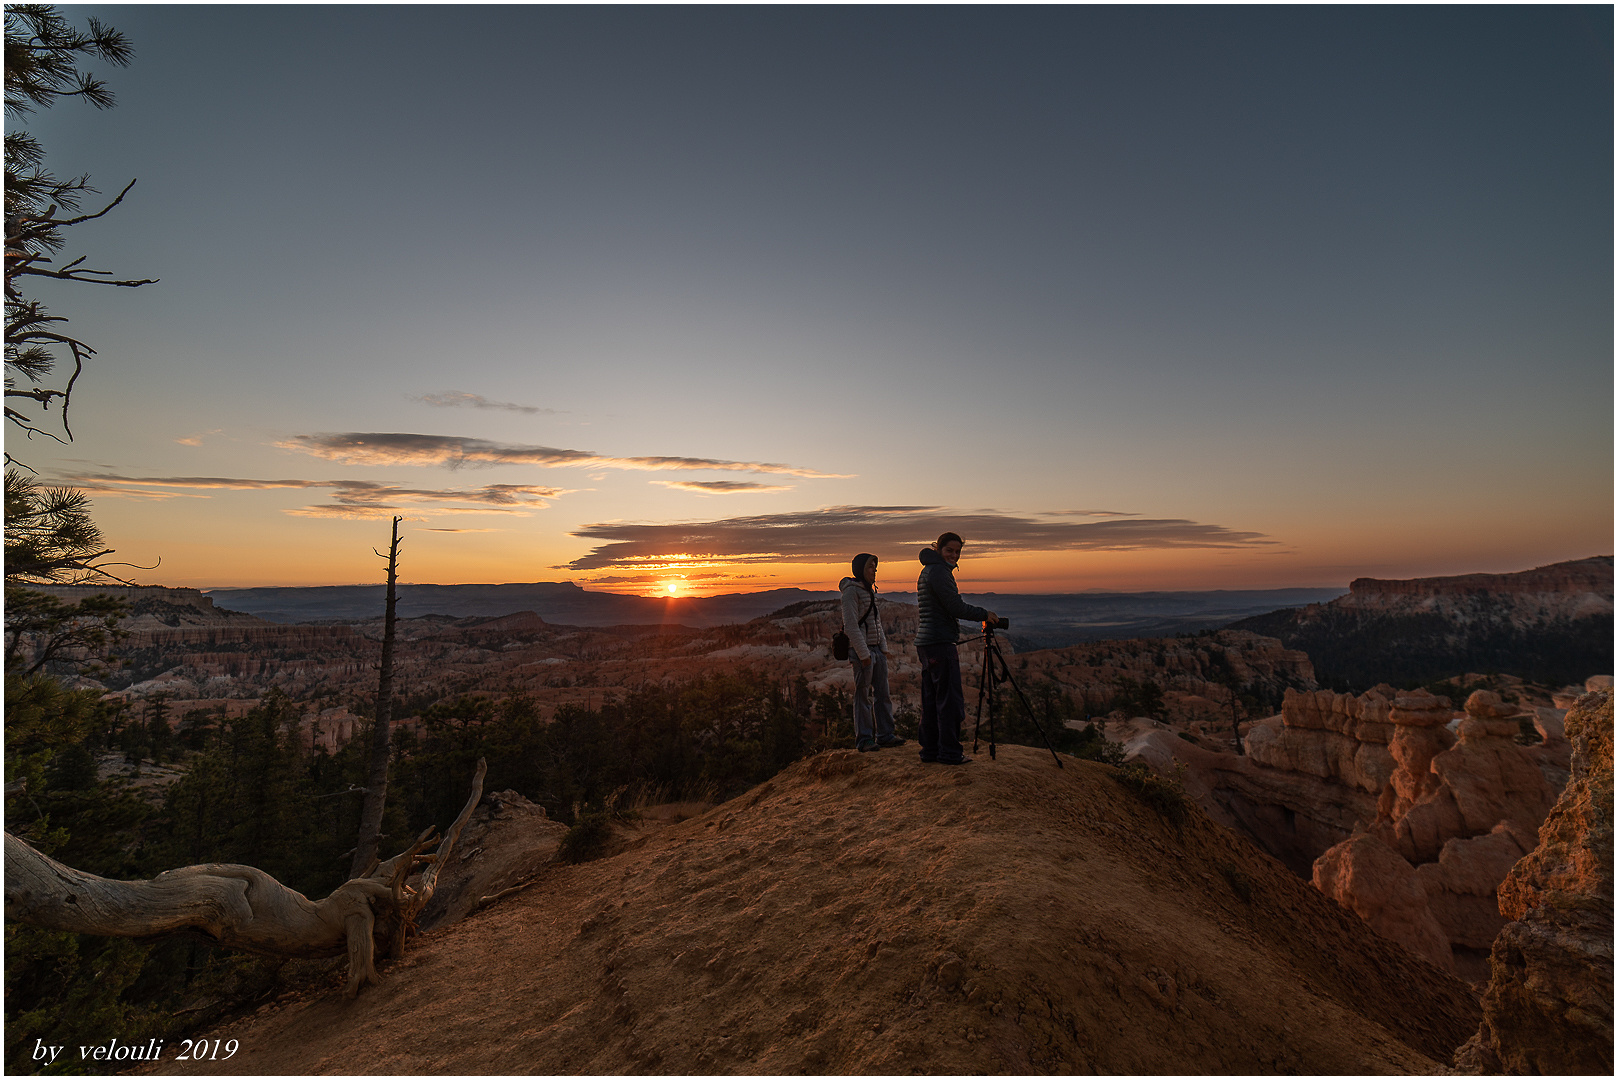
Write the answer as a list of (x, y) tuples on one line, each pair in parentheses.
[(868, 914)]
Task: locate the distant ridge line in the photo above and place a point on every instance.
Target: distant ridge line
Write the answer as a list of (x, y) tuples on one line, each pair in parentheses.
[(1040, 619)]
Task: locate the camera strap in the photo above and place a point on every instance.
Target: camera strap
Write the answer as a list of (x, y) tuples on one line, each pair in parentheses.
[(869, 610)]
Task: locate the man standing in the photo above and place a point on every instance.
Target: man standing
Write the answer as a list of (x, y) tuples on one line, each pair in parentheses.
[(940, 607)]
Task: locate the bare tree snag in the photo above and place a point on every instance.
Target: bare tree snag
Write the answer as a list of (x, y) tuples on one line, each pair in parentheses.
[(376, 788), (240, 907)]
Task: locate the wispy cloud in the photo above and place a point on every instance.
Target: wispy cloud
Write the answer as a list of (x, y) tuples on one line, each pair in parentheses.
[(721, 487), (350, 498), (357, 513), (196, 440), (454, 452), (459, 399), (1093, 513), (831, 533)]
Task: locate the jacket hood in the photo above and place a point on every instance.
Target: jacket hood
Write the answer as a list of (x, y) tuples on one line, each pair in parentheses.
[(931, 557), (853, 582)]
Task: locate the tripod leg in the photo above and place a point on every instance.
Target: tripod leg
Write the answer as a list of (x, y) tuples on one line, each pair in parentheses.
[(991, 715), (1029, 709), (989, 678), (983, 688)]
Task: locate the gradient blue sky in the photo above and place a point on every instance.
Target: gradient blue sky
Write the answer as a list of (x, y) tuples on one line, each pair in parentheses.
[(1147, 297)]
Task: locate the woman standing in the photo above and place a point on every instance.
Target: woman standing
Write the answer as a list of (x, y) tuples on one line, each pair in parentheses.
[(939, 609), (868, 645)]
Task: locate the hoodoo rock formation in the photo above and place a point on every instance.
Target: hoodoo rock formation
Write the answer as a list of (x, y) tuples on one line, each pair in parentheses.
[(1548, 1006), (1403, 821), (1308, 778), (1458, 812)]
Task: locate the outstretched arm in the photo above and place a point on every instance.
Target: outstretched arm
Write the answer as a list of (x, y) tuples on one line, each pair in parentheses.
[(949, 596)]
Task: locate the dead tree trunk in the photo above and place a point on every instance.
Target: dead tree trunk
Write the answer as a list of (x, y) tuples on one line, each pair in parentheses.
[(376, 788), (240, 907)]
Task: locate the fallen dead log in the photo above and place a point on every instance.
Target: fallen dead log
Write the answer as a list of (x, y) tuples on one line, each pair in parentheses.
[(240, 907)]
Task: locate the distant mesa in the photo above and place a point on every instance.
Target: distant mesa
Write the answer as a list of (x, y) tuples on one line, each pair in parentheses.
[(1549, 625)]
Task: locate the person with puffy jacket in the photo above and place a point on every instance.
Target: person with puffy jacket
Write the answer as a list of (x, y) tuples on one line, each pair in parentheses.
[(867, 648), (939, 609)]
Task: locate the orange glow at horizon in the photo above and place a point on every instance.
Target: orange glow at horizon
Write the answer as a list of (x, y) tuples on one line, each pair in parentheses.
[(1315, 555)]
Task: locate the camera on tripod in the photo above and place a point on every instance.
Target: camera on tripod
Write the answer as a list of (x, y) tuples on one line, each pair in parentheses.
[(995, 671)]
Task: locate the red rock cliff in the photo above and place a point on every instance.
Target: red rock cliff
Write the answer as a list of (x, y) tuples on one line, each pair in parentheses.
[(1548, 1008)]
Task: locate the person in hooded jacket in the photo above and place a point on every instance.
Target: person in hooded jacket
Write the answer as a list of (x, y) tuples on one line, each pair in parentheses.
[(939, 611), (868, 647)]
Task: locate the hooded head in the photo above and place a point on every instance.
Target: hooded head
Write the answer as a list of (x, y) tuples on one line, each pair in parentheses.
[(860, 561)]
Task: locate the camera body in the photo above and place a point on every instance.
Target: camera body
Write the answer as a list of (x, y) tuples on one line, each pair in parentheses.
[(1003, 624)]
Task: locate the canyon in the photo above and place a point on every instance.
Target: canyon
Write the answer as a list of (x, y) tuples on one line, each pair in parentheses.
[(1401, 807)]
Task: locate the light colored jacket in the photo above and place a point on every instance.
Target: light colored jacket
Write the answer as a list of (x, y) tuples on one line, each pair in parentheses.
[(857, 600)]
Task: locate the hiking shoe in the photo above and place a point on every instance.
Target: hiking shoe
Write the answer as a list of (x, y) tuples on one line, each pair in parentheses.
[(925, 760), (964, 759), (890, 740), (866, 744)]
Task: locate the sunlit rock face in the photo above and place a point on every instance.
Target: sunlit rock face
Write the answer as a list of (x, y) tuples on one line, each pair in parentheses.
[(1569, 590), (1404, 812), (1458, 812), (1308, 779), (1548, 1005)]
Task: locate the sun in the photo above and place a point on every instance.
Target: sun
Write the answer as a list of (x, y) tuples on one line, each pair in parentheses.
[(674, 588)]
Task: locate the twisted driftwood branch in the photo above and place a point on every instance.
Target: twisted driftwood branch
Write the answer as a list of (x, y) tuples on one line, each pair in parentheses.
[(240, 907)]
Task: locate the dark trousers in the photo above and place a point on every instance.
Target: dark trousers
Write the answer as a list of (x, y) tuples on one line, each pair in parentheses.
[(943, 708)]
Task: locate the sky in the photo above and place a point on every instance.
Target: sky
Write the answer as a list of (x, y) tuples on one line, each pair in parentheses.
[(712, 299)]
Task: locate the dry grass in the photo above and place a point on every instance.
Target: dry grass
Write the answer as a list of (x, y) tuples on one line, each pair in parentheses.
[(672, 812)]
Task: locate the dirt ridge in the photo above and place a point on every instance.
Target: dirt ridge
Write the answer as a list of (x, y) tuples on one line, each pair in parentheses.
[(864, 913)]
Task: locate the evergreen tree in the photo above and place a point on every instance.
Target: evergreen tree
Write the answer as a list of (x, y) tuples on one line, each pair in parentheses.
[(43, 54)]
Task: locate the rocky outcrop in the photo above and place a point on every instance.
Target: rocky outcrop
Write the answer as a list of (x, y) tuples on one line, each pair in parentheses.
[(1335, 737), (1404, 813), (1306, 781), (1458, 812), (1563, 590), (153, 606), (1548, 625), (508, 840), (1548, 1006)]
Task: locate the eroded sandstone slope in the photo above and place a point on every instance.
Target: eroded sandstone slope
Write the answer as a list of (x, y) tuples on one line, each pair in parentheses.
[(868, 914), (1548, 1007)]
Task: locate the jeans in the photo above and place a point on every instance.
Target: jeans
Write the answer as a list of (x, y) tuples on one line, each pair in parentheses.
[(871, 695), (943, 708)]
